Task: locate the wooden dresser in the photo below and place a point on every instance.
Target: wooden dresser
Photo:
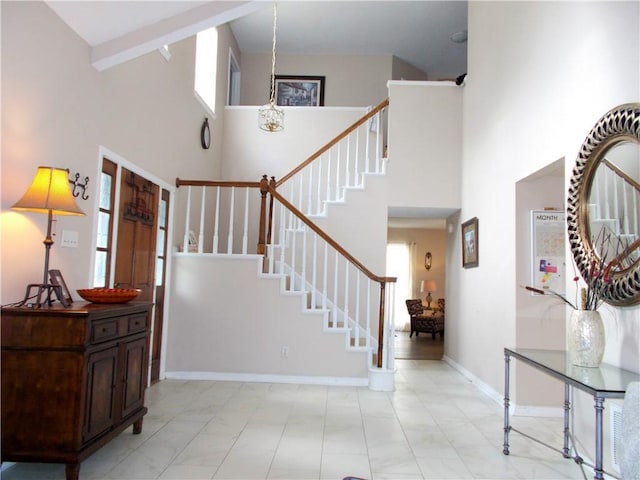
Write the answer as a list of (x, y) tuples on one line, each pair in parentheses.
[(72, 379)]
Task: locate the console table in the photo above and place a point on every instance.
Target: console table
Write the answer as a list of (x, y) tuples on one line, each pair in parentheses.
[(604, 382), (72, 379)]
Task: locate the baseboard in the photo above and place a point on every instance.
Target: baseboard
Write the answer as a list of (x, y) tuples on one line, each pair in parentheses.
[(498, 397), (483, 387), (268, 378)]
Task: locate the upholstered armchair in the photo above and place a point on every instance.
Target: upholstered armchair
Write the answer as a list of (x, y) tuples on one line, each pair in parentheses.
[(432, 322)]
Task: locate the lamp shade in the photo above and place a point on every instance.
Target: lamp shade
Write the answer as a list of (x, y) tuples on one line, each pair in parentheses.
[(49, 191), (428, 286)]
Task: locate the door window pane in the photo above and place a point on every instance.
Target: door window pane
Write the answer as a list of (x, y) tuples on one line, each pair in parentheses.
[(159, 269), (105, 191), (162, 214), (103, 229)]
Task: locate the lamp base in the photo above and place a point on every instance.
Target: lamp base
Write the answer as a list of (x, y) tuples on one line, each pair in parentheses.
[(42, 296)]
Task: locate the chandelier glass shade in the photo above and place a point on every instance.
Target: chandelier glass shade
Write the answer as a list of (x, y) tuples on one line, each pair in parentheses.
[(271, 117)]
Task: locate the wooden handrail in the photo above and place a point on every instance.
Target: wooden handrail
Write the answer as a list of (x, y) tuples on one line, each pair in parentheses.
[(381, 280), (342, 135), (301, 216), (621, 174)]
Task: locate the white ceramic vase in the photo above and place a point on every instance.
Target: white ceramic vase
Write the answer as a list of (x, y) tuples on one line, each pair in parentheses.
[(585, 338)]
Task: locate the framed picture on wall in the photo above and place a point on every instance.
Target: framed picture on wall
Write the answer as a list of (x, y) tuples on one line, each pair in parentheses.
[(299, 91), (470, 243)]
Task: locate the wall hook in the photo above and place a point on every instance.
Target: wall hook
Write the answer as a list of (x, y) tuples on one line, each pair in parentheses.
[(79, 189)]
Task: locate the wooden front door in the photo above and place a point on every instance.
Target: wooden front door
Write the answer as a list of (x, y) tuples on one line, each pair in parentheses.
[(137, 231)]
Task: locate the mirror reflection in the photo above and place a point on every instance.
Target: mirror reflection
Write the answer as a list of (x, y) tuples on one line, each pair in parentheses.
[(614, 206)]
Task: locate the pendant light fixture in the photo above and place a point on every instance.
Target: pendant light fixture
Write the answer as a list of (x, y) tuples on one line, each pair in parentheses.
[(270, 117)]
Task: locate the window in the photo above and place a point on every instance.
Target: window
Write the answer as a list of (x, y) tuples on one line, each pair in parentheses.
[(102, 270), (399, 266), (206, 68), (234, 80)]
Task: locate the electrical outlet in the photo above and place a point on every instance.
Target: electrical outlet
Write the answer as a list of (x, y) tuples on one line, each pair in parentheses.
[(284, 351)]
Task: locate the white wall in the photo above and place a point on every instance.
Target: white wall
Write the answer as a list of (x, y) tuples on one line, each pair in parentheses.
[(425, 144), (245, 327), (253, 152), (540, 75)]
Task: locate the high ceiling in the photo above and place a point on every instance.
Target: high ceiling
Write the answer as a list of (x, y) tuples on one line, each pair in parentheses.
[(418, 32)]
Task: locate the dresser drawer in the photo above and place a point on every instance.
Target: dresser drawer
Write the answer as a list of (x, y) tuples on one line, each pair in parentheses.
[(137, 323), (104, 330)]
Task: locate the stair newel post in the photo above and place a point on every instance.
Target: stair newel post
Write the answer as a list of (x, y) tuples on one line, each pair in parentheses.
[(264, 189), (381, 323), (272, 186)]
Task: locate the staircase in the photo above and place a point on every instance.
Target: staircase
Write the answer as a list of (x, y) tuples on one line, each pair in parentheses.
[(614, 215), (224, 220)]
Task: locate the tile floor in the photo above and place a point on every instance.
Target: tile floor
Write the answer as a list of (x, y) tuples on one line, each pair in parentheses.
[(436, 425)]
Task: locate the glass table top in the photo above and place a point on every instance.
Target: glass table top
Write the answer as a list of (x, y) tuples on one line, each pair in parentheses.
[(606, 379)]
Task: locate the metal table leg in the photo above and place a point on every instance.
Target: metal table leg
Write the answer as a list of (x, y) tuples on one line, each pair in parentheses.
[(567, 410), (599, 467), (505, 446)]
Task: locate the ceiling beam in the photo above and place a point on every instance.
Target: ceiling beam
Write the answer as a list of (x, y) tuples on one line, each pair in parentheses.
[(167, 31)]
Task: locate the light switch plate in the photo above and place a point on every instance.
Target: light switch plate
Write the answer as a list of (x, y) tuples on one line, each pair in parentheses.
[(69, 239)]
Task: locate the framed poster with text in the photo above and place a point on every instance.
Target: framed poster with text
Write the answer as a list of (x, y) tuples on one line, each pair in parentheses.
[(548, 241)]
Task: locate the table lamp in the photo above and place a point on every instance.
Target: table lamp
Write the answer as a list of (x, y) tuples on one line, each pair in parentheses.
[(428, 286), (49, 193)]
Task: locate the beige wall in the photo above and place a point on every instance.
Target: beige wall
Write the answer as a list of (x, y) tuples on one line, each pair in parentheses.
[(58, 110), (350, 80), (425, 144), (425, 240)]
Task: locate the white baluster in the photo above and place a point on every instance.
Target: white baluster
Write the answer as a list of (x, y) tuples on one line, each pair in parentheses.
[(378, 141), (231, 217), (303, 259), (337, 189), (245, 236), (202, 208), (319, 192), (294, 236), (367, 135), (356, 162), (335, 291), (216, 221), (329, 175), (368, 319), (346, 294), (310, 191), (283, 237), (357, 314), (325, 289), (300, 179), (347, 163), (635, 196), (185, 239), (314, 271)]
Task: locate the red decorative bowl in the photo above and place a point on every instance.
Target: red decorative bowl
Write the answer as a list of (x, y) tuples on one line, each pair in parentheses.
[(108, 295)]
